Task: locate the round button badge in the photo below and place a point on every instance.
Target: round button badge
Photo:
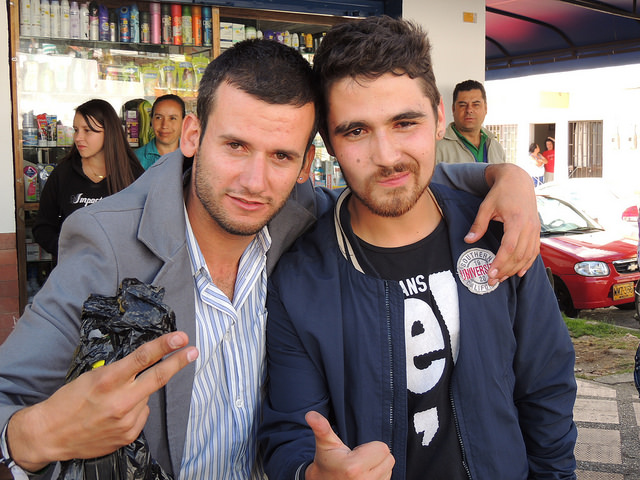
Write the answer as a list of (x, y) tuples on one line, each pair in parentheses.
[(473, 270)]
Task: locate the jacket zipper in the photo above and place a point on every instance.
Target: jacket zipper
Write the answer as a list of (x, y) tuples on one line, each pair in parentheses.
[(390, 352), (460, 442)]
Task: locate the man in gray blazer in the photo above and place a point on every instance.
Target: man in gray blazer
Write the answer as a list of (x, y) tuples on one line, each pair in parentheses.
[(195, 224)]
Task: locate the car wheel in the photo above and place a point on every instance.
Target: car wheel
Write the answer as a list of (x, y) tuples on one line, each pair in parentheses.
[(564, 298), (637, 302)]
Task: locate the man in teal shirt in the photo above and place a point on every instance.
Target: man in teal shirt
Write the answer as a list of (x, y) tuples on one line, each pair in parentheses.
[(465, 140), (167, 114)]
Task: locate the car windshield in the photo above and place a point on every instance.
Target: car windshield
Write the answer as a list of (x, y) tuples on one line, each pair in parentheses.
[(558, 217)]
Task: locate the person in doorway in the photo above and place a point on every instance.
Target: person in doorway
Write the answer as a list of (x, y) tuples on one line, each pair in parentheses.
[(167, 115), (206, 223), (100, 163), (465, 140), (550, 155), (535, 163), (382, 324)]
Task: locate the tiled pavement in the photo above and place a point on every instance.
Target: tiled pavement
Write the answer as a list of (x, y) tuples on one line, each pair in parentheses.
[(607, 413)]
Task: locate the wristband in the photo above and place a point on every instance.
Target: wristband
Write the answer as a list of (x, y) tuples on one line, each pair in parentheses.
[(5, 459)]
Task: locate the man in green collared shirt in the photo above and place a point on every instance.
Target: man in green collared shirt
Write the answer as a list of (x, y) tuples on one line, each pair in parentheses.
[(465, 140)]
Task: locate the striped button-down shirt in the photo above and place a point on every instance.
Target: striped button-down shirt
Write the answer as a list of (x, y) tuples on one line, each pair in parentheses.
[(226, 396)]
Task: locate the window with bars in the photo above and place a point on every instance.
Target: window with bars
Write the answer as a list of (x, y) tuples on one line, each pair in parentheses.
[(507, 135), (585, 149)]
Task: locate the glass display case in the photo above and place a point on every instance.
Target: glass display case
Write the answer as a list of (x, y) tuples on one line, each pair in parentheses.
[(51, 76), (54, 75)]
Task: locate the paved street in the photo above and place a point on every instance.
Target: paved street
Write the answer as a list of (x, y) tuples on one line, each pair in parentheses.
[(607, 413)]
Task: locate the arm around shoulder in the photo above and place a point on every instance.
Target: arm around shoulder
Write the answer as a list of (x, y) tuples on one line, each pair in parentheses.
[(468, 177)]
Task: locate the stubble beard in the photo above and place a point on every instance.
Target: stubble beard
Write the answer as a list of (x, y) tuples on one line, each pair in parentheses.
[(217, 212), (396, 202)]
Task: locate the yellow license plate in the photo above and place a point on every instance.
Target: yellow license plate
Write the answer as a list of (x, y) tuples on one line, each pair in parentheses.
[(623, 290)]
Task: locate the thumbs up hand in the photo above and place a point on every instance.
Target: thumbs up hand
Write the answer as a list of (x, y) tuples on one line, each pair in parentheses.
[(334, 460)]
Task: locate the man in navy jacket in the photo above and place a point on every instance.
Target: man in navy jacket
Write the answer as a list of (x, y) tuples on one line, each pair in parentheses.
[(383, 325)]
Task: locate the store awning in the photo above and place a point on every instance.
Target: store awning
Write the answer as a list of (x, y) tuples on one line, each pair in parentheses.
[(525, 37)]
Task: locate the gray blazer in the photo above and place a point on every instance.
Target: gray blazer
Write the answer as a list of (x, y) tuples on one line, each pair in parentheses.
[(140, 233)]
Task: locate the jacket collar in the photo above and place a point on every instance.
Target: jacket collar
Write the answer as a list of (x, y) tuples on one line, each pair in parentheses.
[(344, 233), (163, 230), (164, 206), (347, 248), (297, 215)]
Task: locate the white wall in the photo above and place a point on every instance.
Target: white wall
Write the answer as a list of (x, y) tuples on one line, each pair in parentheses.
[(458, 47), (7, 197), (610, 95)]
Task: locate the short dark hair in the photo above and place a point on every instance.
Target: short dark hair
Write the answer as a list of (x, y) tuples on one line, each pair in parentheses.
[(266, 69), (468, 85), (532, 147), (371, 48), (164, 98)]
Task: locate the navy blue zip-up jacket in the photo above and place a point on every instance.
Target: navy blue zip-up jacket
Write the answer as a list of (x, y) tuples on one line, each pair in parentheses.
[(335, 344)]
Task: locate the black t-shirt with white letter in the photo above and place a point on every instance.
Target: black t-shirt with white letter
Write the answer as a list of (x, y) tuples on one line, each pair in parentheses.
[(432, 325)]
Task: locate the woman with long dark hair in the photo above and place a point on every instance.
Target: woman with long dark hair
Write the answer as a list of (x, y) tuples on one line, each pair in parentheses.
[(100, 163)]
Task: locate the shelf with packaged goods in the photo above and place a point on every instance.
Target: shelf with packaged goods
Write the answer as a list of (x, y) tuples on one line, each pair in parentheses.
[(31, 44), (275, 22), (38, 162), (57, 75)]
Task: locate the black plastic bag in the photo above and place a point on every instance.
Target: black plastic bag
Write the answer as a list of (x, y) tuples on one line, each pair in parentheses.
[(112, 328)]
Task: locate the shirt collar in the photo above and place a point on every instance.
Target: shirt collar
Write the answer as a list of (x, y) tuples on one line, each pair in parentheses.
[(478, 152), (261, 243)]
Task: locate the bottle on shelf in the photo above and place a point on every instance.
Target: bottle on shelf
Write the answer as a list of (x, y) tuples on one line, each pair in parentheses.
[(65, 19), (337, 179), (113, 25), (155, 23), (187, 25), (145, 27), (319, 169), (134, 23), (302, 41), (94, 21), (207, 30), (124, 24), (103, 18), (196, 20), (319, 175), (25, 18), (308, 43), (45, 19), (74, 20), (166, 33), (31, 73), (29, 130), (54, 11), (35, 18), (176, 24)]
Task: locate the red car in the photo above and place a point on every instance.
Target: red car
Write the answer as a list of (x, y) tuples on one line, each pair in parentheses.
[(590, 267)]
